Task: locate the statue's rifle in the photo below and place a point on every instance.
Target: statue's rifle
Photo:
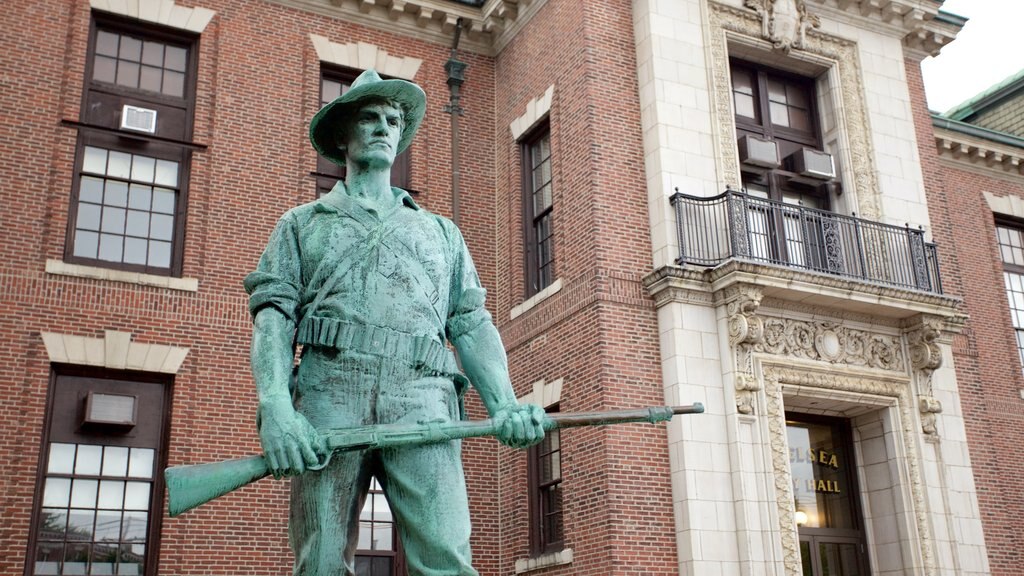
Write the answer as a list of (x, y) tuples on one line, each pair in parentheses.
[(191, 486)]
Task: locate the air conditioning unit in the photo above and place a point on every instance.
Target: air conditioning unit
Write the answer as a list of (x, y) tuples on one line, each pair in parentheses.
[(757, 152), (138, 119), (812, 163)]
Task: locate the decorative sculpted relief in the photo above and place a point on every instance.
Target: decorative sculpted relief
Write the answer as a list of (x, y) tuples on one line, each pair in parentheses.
[(746, 329), (831, 342), (861, 176), (925, 358), (784, 22)]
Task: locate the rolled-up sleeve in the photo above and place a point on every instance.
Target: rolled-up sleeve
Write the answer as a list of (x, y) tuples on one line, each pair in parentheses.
[(466, 309), (277, 279)]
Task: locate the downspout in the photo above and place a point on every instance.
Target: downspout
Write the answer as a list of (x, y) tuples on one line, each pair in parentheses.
[(456, 71)]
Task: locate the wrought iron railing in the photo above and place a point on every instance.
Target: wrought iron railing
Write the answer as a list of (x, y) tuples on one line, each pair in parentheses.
[(736, 225)]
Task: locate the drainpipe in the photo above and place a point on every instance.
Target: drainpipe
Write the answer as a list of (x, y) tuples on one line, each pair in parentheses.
[(456, 71)]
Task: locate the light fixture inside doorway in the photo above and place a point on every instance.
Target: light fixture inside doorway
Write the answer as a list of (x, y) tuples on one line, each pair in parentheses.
[(801, 517)]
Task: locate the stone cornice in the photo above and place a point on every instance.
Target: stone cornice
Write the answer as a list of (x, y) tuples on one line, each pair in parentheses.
[(979, 152), (821, 291), (924, 30), (486, 30)]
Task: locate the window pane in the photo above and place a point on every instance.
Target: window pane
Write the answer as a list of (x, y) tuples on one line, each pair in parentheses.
[(88, 217), (382, 536), (117, 193), (104, 559), (88, 461), (106, 43), (161, 226), (61, 459), (133, 527), (132, 558), (111, 494), (329, 90), (108, 525), (83, 493), (174, 83), (166, 173), (53, 523), (799, 119), (779, 114), (48, 557), (113, 220), (142, 168), (111, 247), (94, 160), (136, 496), (139, 197), (90, 189), (141, 463), (163, 201), (131, 49), (365, 535), (150, 78), (120, 165), (135, 251), (76, 558), (175, 58), (138, 223), (153, 54), (128, 74), (744, 105), (104, 69), (86, 244), (80, 523)]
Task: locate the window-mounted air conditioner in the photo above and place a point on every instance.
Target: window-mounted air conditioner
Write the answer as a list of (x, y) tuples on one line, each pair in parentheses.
[(812, 163), (138, 119), (757, 152)]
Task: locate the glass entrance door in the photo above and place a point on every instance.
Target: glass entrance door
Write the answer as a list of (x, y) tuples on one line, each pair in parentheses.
[(825, 496)]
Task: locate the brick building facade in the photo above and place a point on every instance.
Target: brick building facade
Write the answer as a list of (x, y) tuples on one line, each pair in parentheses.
[(852, 407)]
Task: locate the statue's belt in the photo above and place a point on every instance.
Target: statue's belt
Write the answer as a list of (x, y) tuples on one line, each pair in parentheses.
[(417, 351)]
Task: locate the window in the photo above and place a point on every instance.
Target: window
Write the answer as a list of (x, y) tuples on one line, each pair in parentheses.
[(1011, 248), (545, 485), (99, 487), (334, 83), (775, 106), (537, 201), (379, 551), (129, 193)]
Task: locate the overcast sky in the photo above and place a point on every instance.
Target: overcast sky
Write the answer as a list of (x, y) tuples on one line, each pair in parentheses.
[(989, 49)]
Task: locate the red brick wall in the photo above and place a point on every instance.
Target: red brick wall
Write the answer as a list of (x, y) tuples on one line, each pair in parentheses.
[(599, 332), (988, 367)]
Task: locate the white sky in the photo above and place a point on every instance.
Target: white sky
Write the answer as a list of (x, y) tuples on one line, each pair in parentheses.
[(989, 49)]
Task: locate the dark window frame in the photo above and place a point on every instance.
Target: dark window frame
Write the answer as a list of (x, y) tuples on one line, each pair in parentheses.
[(541, 540), (156, 502), (105, 134), (1014, 225), (397, 553), (327, 173), (843, 431), (538, 274)]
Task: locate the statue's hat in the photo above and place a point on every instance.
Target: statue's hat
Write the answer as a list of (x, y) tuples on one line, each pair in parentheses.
[(324, 126)]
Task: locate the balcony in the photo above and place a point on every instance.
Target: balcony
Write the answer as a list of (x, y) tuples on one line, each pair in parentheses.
[(736, 226)]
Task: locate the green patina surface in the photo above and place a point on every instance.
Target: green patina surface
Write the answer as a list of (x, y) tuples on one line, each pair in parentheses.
[(373, 287)]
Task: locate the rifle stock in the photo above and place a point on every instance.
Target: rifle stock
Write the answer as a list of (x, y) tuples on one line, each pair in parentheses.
[(193, 485)]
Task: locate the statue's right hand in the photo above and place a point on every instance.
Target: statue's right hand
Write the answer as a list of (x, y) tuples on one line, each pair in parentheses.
[(290, 443)]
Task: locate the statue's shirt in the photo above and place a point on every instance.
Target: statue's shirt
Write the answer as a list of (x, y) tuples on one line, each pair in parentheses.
[(332, 262)]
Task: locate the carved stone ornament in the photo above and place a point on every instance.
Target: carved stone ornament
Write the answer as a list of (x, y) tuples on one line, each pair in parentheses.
[(744, 326), (745, 330), (830, 342), (784, 22), (929, 407)]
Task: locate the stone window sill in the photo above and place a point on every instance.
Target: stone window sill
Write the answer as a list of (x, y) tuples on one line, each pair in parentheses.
[(537, 298), (544, 561), (61, 268)]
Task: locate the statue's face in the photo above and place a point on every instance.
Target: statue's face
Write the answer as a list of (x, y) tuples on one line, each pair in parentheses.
[(371, 138)]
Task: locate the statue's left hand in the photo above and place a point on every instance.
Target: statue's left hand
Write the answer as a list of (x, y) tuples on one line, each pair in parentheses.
[(519, 425)]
